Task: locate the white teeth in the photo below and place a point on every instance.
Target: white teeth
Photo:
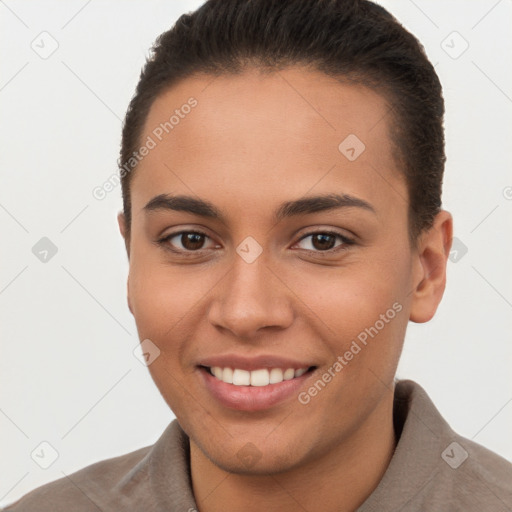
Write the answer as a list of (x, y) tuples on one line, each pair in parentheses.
[(227, 375), (276, 376), (289, 374), (262, 377), (241, 377)]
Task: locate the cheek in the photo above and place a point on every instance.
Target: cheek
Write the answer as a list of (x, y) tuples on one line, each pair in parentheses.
[(361, 310), (356, 293), (161, 302), (151, 302), (162, 296)]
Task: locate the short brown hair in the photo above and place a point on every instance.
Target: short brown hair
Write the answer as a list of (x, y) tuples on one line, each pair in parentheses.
[(354, 40)]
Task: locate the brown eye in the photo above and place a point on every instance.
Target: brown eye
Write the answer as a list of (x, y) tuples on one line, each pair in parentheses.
[(192, 241), (324, 241), (185, 241)]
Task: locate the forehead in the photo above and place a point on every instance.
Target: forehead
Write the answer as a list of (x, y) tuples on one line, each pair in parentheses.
[(277, 134)]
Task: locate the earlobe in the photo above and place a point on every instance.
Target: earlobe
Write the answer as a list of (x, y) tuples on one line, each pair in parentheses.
[(122, 223), (121, 220), (128, 295), (432, 256)]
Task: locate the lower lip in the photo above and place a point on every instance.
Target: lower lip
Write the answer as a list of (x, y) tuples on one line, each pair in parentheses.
[(252, 398)]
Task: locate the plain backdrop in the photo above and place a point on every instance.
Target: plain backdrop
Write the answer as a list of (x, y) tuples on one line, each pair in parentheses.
[(69, 374)]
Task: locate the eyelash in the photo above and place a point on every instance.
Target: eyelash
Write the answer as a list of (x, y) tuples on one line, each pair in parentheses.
[(345, 242)]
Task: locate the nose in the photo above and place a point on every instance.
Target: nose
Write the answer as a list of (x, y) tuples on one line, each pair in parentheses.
[(249, 298)]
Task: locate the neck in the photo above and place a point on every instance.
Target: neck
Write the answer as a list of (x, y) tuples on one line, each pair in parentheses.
[(344, 477)]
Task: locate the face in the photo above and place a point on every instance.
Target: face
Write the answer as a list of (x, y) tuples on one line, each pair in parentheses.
[(266, 280)]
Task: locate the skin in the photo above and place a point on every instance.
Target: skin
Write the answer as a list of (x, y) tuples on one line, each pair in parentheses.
[(254, 141)]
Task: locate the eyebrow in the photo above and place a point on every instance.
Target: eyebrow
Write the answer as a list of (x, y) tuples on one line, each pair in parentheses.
[(303, 206)]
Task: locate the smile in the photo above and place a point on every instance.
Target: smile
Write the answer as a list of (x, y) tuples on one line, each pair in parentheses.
[(255, 389), (261, 377)]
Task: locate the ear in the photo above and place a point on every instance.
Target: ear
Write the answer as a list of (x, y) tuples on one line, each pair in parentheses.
[(432, 253), (121, 220)]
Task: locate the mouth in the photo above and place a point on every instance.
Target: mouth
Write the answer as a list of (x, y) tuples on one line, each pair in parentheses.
[(253, 390), (256, 378)]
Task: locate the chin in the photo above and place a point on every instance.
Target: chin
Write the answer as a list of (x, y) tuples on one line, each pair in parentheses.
[(251, 452), (248, 461)]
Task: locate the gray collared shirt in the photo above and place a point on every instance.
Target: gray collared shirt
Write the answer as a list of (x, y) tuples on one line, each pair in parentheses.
[(432, 469)]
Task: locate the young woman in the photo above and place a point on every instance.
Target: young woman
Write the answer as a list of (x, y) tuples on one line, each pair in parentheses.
[(281, 167)]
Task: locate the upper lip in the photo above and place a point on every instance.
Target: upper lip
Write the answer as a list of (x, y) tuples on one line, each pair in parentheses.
[(252, 363)]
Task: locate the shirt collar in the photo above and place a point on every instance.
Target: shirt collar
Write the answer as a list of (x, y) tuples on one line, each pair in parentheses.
[(421, 430)]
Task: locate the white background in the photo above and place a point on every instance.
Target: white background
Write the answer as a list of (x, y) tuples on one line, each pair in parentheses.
[(68, 373)]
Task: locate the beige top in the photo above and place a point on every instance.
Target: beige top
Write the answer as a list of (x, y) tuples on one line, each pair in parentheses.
[(432, 469)]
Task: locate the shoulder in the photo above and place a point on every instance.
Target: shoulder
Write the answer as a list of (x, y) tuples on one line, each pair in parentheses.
[(88, 489), (146, 479), (457, 472), (476, 472), (467, 478)]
